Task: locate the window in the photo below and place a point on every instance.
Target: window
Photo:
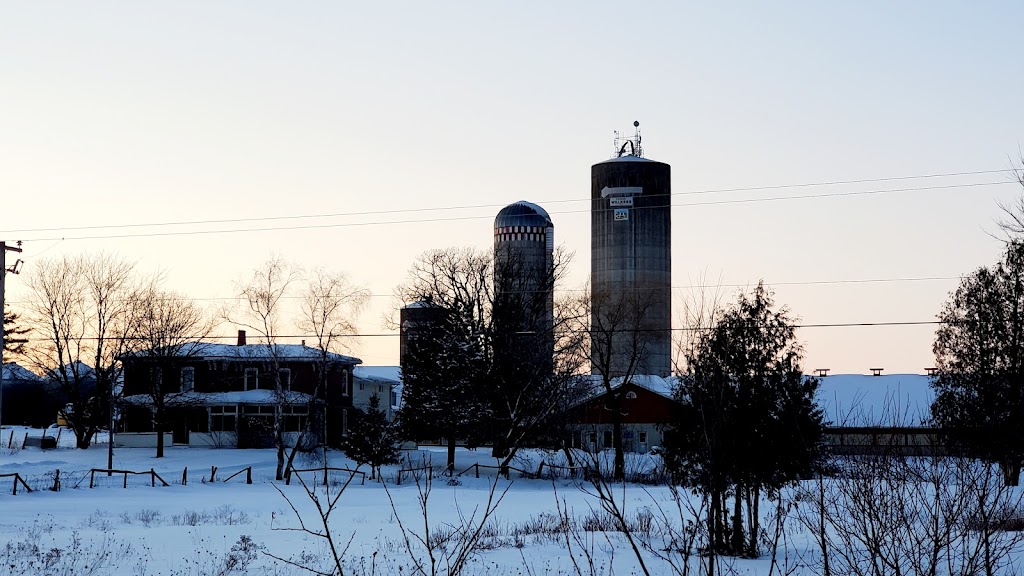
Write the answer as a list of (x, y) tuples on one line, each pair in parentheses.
[(295, 418), (344, 422), (630, 395), (592, 439), (251, 380), (188, 379), (344, 385), (286, 378), (607, 438), (643, 437), (222, 418), (362, 386)]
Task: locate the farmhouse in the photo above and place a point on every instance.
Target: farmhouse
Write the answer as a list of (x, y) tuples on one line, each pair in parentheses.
[(222, 395), (384, 381)]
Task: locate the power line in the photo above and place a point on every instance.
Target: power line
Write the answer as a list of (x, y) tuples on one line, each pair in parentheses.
[(434, 209), (678, 287), (477, 206), (481, 217), (396, 334)]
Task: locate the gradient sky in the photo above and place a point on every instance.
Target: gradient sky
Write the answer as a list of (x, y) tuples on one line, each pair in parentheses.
[(127, 113)]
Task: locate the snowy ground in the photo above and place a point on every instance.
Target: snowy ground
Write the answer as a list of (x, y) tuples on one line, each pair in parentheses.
[(234, 528)]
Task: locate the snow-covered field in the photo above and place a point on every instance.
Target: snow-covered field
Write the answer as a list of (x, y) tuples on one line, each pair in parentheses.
[(233, 528), (216, 527)]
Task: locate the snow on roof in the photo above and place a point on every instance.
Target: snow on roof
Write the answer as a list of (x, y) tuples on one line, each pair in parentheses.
[(70, 369), (259, 397), (391, 374), (210, 350), (846, 399), (661, 385), (887, 400), (13, 371)]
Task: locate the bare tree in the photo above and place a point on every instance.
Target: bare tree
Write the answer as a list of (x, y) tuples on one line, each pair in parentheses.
[(330, 304), (619, 338), (536, 356), (262, 311), (445, 368), (79, 308), (1012, 222), (168, 329)]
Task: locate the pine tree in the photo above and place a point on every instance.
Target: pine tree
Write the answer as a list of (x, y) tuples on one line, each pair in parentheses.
[(443, 372), (748, 422), (14, 340), (372, 439), (979, 355)]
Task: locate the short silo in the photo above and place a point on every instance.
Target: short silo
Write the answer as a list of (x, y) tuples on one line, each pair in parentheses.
[(631, 262), (416, 318)]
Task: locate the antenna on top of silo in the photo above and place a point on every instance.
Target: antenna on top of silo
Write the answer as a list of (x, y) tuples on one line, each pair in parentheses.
[(623, 142)]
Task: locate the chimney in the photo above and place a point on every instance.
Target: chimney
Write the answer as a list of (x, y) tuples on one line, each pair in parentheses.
[(241, 337)]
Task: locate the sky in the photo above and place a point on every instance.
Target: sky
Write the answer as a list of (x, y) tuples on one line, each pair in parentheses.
[(198, 139)]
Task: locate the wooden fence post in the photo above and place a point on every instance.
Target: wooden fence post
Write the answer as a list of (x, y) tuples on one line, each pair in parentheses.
[(184, 476), (57, 441), (25, 441), (92, 476), (125, 478), (10, 440), (152, 478), (248, 475), (56, 481), (399, 478), (477, 466), (213, 472), (14, 491), (540, 468)]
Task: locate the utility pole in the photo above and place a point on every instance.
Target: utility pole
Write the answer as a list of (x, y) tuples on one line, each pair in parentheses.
[(16, 268)]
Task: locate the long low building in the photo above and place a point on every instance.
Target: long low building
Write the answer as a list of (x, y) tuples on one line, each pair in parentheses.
[(862, 413)]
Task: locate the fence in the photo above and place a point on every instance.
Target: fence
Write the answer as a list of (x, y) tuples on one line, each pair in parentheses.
[(153, 476), (507, 470), (17, 480), (325, 470)]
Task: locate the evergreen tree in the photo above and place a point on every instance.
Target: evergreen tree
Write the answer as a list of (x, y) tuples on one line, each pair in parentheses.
[(443, 372), (748, 422), (979, 356), (14, 340), (372, 439)]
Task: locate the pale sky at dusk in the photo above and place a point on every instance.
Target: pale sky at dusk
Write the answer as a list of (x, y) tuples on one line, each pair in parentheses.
[(146, 114)]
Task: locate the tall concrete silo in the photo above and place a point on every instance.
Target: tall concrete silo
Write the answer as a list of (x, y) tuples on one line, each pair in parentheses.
[(631, 261), (524, 241)]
